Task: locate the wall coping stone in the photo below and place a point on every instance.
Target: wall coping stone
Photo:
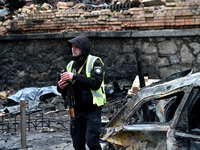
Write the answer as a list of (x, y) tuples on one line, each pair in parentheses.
[(105, 34)]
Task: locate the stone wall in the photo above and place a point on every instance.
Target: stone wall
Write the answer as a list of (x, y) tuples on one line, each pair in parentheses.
[(36, 60)]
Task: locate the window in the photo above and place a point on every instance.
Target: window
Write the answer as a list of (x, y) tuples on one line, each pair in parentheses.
[(157, 110)]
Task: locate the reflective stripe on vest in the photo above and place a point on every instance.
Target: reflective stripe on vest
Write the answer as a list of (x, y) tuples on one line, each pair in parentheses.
[(69, 66), (99, 96)]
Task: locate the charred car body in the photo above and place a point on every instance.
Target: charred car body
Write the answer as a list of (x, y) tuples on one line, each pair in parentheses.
[(170, 121)]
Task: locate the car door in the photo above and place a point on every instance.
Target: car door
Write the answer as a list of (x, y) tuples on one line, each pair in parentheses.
[(187, 131)]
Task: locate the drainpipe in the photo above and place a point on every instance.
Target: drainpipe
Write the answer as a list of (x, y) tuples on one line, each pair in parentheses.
[(145, 108), (139, 66)]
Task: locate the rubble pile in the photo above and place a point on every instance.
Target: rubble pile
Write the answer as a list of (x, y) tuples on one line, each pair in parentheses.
[(136, 84), (67, 17)]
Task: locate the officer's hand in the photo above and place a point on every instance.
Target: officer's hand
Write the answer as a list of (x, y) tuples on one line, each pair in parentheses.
[(62, 83), (66, 76)]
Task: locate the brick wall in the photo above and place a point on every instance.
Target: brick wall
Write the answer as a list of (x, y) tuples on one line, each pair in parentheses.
[(172, 15)]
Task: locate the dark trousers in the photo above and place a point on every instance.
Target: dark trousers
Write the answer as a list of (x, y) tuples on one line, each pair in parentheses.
[(86, 128)]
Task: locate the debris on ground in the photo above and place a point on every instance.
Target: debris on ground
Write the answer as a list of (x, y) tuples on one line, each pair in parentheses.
[(47, 115), (123, 109)]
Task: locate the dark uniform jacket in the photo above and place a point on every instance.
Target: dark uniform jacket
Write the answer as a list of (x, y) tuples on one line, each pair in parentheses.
[(83, 84)]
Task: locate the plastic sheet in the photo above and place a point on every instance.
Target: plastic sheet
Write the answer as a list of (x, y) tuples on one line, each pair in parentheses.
[(33, 96), (32, 93)]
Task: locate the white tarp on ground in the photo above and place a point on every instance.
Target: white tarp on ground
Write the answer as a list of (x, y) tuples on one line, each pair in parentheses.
[(29, 94), (32, 95)]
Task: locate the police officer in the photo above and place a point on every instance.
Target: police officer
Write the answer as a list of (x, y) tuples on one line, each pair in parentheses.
[(87, 75)]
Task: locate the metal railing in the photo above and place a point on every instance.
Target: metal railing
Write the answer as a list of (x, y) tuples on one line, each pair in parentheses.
[(11, 122)]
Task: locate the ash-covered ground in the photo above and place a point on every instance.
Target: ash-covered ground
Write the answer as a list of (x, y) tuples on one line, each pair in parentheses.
[(48, 126), (46, 129)]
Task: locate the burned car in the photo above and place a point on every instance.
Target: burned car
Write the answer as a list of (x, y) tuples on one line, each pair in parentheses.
[(163, 115)]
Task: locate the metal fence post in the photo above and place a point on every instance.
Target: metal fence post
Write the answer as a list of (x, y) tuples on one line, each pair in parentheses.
[(23, 122)]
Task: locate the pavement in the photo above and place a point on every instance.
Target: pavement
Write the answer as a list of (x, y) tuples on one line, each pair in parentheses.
[(40, 141), (62, 146), (69, 146)]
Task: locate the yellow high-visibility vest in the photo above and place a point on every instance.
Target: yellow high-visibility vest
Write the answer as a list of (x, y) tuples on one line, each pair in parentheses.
[(99, 96)]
